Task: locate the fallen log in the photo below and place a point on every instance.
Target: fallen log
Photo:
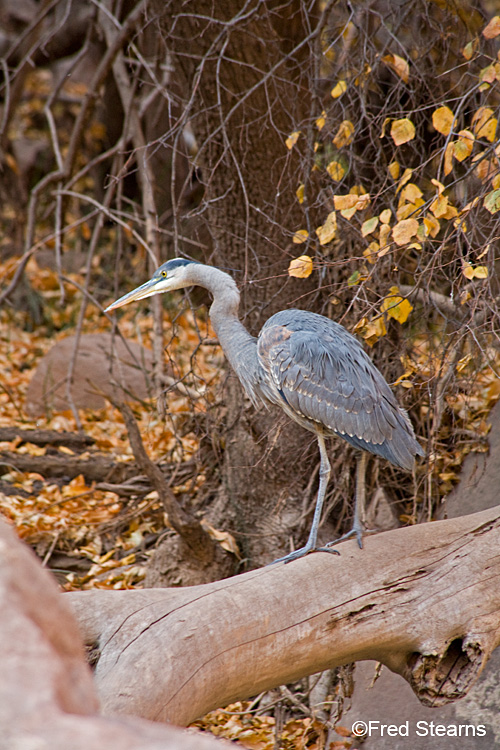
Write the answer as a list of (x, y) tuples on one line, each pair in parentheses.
[(46, 437), (423, 600), (111, 474)]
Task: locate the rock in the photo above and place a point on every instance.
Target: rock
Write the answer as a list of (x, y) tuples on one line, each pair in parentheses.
[(381, 513), (479, 484), (105, 366)]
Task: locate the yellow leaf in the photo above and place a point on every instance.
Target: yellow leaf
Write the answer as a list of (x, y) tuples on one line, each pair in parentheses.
[(398, 65), (369, 226), (358, 190), (407, 210), (404, 230), (300, 267), (448, 158), (344, 134), (479, 272), (460, 149), (410, 193), (470, 49), (352, 202), (395, 306), (371, 330), (335, 170), (442, 208), (300, 193), (484, 124), (492, 201), (300, 236), (467, 139), (363, 201), (485, 169), (432, 226), (224, 538), (371, 252), (339, 89), (405, 178), (394, 169), (468, 271), (487, 75), (460, 224), (439, 185), (386, 216), (383, 236), (327, 232), (384, 125), (492, 29), (320, 122), (348, 213), (442, 119), (341, 202), (484, 252), (402, 131), (292, 139)]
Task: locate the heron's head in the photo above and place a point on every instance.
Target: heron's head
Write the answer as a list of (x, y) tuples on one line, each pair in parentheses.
[(174, 274)]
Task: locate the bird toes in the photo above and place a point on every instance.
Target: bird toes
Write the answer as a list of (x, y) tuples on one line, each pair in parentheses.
[(357, 531), (302, 552)]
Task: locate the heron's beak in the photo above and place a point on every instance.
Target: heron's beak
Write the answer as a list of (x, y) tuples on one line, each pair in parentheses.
[(151, 287)]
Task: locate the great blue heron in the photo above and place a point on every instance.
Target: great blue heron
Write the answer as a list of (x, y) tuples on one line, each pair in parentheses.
[(311, 367)]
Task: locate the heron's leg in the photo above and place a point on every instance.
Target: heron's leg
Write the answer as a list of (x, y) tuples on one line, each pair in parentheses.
[(324, 476), (358, 525)]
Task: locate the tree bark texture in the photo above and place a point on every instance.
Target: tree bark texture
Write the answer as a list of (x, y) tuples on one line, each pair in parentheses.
[(423, 600)]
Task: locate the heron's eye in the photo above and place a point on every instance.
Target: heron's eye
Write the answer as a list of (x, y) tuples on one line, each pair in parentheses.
[(164, 274)]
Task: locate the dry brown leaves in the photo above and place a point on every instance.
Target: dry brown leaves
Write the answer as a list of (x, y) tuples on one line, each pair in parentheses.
[(257, 732)]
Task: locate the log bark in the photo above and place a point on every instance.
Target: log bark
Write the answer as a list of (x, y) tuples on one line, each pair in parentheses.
[(423, 600)]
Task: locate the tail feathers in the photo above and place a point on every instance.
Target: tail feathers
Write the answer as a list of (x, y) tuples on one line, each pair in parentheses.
[(400, 452)]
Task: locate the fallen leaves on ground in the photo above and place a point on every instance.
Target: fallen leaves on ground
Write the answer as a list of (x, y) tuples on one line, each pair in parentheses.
[(69, 517), (260, 732)]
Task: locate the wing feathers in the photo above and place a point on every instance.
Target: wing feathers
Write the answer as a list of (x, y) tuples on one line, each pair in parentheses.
[(320, 375)]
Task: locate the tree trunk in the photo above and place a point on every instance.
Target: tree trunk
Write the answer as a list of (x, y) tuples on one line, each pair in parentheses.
[(423, 600), (245, 95)]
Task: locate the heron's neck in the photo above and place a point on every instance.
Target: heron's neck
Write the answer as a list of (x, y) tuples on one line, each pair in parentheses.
[(238, 344)]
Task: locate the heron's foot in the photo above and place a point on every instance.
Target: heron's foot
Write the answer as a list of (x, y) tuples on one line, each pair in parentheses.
[(302, 552), (357, 530)]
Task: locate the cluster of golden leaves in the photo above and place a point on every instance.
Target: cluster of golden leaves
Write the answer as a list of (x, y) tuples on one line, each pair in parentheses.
[(69, 516), (424, 206)]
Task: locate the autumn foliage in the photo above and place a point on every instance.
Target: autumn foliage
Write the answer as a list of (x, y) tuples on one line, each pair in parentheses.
[(376, 203)]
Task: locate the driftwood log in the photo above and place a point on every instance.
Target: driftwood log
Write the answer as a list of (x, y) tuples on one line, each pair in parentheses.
[(424, 600)]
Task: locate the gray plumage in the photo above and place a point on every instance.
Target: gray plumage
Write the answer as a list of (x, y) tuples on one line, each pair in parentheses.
[(310, 366)]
